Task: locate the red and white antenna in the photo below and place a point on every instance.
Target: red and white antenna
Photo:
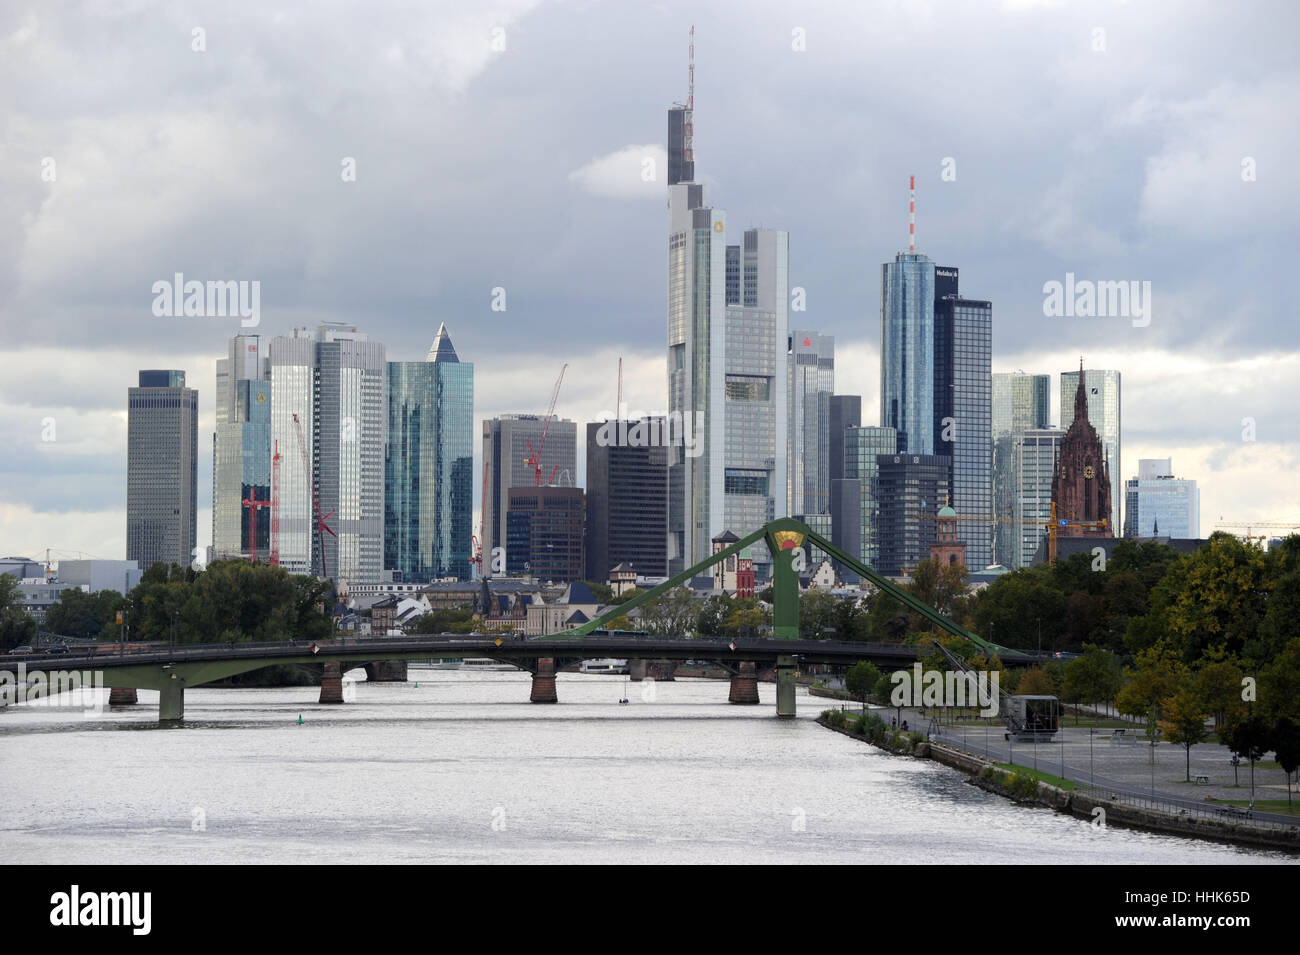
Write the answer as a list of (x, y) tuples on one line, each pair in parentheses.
[(911, 214), (688, 138)]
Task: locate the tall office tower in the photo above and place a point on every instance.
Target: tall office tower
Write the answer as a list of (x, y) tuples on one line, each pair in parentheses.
[(907, 351), (162, 453), (811, 381), (1034, 453), (1020, 402), (335, 383), (845, 413), (1081, 488), (1157, 504), (1103, 399), (963, 399), (910, 489), (627, 498), (544, 533), (241, 451), (429, 465), (755, 407), (863, 448), (508, 443), (846, 522)]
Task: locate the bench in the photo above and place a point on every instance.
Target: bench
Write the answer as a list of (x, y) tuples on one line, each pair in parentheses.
[(1200, 779)]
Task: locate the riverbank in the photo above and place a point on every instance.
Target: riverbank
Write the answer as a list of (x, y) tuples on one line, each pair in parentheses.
[(1022, 786)]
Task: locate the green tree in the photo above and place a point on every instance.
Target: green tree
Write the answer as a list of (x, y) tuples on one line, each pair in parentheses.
[(1091, 677), (862, 680), (1219, 684), (746, 618), (1182, 720), (1279, 684), (711, 619), (1157, 675), (671, 614), (603, 593), (1034, 682), (1286, 746), (1249, 739), (17, 627)]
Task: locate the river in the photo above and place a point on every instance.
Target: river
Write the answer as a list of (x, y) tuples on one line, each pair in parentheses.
[(458, 766)]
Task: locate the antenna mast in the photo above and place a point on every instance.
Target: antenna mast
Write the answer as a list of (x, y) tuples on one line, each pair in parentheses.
[(911, 214), (688, 137)]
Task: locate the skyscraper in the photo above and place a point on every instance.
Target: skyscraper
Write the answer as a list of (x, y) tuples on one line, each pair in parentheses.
[(335, 383), (811, 382), (627, 499), (161, 470), (963, 368), (1102, 395), (508, 443), (429, 465), (544, 533), (863, 448), (1020, 402), (907, 350), (241, 451), (1034, 453), (726, 363), (910, 489), (845, 413), (1157, 504)]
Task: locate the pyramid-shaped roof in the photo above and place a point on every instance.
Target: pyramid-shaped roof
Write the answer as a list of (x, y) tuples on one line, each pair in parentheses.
[(442, 349)]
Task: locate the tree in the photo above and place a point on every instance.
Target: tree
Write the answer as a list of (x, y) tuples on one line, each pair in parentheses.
[(1156, 677), (1279, 684), (1218, 597), (1249, 740), (1183, 720), (713, 614), (1091, 677), (671, 614), (1286, 746), (746, 618), (17, 627), (1219, 684), (1034, 682), (603, 593), (862, 680)]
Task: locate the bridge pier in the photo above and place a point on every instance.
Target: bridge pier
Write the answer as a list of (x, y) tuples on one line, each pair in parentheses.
[(386, 671), (331, 683), (636, 670), (122, 696), (785, 687), (662, 671), (171, 701), (544, 682), (744, 685)]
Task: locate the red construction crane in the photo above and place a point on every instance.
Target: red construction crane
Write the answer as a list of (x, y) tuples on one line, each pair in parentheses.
[(321, 526), (275, 506), (476, 543), (253, 505), (534, 460)]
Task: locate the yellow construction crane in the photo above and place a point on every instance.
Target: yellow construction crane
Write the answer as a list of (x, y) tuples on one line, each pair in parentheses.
[(1053, 525), (1252, 526)]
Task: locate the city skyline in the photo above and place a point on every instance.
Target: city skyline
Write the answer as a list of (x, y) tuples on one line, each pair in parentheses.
[(68, 492)]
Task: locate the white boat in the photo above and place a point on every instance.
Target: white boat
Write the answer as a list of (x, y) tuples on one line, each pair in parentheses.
[(607, 665)]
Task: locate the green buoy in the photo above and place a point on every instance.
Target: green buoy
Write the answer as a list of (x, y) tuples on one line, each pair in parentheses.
[(300, 719)]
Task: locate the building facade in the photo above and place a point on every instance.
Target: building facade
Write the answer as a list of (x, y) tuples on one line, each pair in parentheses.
[(1102, 397), (544, 533), (1157, 504), (810, 363), (963, 400), (909, 490), (1034, 453), (907, 292), (863, 448), (1020, 402), (509, 441), (162, 470), (1081, 487), (627, 499), (429, 466), (241, 452), (845, 413)]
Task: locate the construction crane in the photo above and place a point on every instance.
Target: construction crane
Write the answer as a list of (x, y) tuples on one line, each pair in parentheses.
[(534, 459), (1053, 525), (275, 506), (1252, 526), (320, 526), (476, 543), (253, 505)]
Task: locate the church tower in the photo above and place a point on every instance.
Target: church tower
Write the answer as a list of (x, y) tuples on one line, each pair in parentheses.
[(1081, 483)]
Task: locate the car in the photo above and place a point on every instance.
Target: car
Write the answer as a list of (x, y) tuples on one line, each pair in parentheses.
[(23, 649), (60, 648)]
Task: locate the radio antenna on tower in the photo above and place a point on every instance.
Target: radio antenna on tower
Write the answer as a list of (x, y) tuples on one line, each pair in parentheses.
[(688, 137), (911, 214)]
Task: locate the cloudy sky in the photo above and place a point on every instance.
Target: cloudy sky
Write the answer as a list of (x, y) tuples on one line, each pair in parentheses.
[(501, 144)]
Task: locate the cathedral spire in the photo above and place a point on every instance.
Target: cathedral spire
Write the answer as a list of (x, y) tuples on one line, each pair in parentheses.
[(1080, 396)]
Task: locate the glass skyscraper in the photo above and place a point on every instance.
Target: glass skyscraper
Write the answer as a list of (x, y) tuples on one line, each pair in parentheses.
[(1033, 463), (508, 442), (1157, 504), (1020, 402), (161, 470), (1102, 390), (863, 448), (963, 398), (429, 466), (907, 287), (811, 382), (241, 451)]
